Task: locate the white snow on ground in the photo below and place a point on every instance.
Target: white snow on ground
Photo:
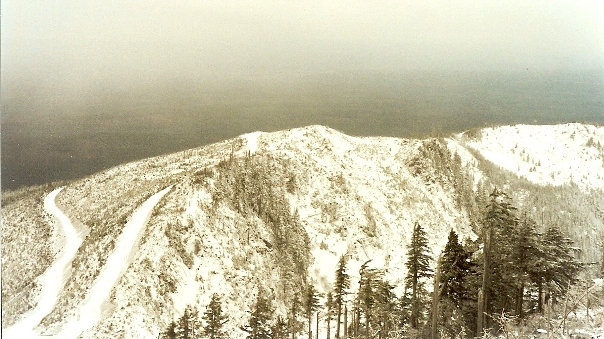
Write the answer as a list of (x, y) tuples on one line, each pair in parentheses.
[(53, 280), (347, 183), (356, 196), (547, 155), (252, 141), (89, 313)]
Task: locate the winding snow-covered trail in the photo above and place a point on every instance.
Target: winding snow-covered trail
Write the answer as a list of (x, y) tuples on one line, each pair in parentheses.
[(89, 312), (53, 279)]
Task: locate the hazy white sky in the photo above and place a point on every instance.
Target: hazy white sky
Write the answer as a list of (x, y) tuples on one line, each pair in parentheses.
[(142, 40)]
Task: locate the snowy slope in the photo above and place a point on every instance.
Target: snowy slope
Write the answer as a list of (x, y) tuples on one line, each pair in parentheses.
[(354, 197), (53, 279), (546, 155), (89, 313), (339, 195)]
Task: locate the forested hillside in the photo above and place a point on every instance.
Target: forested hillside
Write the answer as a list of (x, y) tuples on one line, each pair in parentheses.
[(312, 232)]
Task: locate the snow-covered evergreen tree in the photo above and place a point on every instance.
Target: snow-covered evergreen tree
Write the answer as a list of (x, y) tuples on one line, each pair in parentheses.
[(189, 325), (311, 304), (457, 289), (340, 289), (259, 324), (418, 271), (499, 224), (214, 319)]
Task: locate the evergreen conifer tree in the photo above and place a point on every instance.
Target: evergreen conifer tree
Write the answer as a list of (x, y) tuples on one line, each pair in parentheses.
[(499, 224), (525, 258), (279, 329), (385, 308), (456, 288), (418, 270), (329, 306), (561, 266), (258, 326), (294, 325), (170, 332), (311, 304), (341, 286), (456, 267), (214, 319), (368, 299), (189, 325)]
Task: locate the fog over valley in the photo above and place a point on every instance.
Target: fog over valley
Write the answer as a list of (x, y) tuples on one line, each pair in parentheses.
[(302, 169), (89, 86), (52, 137)]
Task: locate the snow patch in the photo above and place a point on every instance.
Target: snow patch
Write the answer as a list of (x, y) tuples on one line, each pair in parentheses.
[(252, 141)]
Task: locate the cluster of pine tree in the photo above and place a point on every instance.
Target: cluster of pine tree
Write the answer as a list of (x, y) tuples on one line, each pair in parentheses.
[(189, 325), (511, 269), (521, 268)]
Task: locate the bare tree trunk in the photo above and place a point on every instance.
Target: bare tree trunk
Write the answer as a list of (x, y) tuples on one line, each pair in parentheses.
[(352, 322), (414, 303), (317, 326), (358, 321), (484, 290), (367, 322), (480, 320), (345, 321), (587, 305), (540, 296), (602, 266), (435, 301), (328, 324), (338, 324), (293, 327), (519, 301)]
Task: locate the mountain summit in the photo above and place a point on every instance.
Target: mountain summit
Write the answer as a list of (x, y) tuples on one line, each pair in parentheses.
[(265, 213)]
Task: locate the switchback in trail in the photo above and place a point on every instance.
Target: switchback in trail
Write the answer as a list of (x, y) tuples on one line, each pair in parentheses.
[(89, 312), (53, 279)]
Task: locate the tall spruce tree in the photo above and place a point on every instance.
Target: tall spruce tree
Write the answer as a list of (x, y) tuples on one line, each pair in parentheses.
[(456, 287), (170, 332), (418, 271), (561, 266), (279, 329), (189, 325), (385, 308), (214, 319), (525, 256), (259, 326), (311, 304), (369, 281), (499, 223), (340, 289), (456, 267), (329, 306), (295, 308)]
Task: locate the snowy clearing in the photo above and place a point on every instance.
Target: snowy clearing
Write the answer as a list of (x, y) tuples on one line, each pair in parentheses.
[(89, 313), (53, 280)]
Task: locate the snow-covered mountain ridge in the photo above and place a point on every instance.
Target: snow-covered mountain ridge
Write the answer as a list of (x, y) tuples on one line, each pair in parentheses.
[(256, 211), (547, 155)]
